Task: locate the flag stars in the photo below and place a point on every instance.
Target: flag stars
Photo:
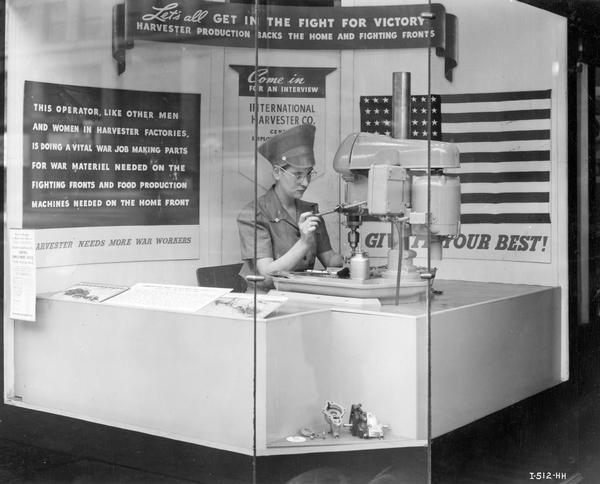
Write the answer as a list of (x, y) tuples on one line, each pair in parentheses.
[(425, 116)]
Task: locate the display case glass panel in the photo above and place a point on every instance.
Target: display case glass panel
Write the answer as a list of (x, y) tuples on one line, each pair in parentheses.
[(337, 78), (503, 105)]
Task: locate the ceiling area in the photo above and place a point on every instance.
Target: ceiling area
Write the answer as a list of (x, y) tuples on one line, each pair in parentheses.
[(584, 14)]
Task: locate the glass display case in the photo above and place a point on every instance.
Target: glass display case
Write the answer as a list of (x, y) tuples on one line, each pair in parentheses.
[(314, 236)]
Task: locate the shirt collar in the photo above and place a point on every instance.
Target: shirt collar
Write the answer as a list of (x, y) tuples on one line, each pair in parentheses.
[(277, 211)]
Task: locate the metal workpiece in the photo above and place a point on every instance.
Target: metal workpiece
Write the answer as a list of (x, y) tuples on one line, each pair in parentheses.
[(360, 266)]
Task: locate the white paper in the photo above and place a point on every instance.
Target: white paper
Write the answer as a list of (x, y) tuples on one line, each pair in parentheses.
[(242, 305), (89, 292), (168, 297), (22, 274)]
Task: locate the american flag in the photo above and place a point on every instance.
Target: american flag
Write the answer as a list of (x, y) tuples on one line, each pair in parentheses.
[(504, 143)]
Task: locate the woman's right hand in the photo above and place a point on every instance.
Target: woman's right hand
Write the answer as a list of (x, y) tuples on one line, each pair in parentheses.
[(308, 224)]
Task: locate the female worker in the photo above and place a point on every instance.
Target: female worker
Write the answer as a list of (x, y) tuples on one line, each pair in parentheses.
[(288, 235)]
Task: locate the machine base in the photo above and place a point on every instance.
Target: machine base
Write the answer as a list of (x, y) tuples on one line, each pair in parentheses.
[(381, 288)]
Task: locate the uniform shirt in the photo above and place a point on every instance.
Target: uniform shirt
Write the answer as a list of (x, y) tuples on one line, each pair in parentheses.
[(277, 232)]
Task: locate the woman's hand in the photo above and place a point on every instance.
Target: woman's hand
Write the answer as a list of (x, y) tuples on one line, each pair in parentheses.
[(308, 224)]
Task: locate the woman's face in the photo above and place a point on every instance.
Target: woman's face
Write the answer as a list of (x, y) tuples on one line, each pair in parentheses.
[(292, 181)]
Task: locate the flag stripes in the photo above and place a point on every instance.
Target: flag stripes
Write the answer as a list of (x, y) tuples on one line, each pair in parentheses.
[(505, 177), (506, 218), (496, 116), (513, 197), (492, 136), (519, 187), (488, 97), (504, 156), (483, 126), (504, 141)]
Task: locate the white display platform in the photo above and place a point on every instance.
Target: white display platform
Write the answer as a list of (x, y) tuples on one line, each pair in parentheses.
[(190, 377)]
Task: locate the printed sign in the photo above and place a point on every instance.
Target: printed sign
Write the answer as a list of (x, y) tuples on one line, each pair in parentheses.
[(92, 245), (22, 274), (286, 27), (523, 244), (106, 157), (287, 97)]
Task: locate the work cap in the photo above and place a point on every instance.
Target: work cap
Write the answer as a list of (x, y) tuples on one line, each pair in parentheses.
[(293, 147)]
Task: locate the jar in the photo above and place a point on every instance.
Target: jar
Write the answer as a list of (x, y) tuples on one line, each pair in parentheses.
[(359, 266)]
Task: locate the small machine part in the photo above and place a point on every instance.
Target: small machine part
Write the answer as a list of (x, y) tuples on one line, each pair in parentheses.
[(358, 421), (306, 432), (353, 212), (364, 424), (333, 413), (343, 208), (353, 222), (341, 272), (327, 212), (388, 190), (374, 428), (344, 273)]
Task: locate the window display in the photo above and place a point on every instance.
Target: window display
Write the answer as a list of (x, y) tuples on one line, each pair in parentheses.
[(397, 207)]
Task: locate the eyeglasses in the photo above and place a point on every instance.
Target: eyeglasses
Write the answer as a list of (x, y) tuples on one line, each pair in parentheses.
[(300, 177)]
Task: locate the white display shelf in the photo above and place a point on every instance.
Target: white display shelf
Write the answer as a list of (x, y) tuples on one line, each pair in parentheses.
[(190, 377), (346, 442)]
